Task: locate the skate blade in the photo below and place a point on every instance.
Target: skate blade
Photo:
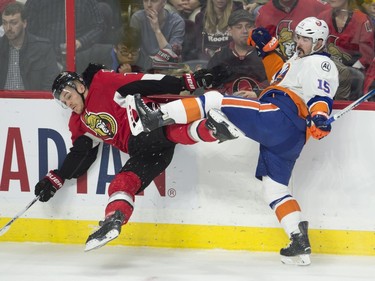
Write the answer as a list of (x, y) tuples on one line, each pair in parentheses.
[(219, 117), (296, 260), (96, 243)]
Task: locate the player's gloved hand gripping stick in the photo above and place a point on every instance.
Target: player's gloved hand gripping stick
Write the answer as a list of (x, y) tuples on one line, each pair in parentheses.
[(319, 123)]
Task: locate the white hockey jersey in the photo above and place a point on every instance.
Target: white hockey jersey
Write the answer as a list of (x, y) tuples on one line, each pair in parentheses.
[(310, 76)]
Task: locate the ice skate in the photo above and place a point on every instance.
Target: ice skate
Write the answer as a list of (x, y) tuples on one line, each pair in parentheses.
[(148, 119), (298, 251), (221, 127), (109, 229)]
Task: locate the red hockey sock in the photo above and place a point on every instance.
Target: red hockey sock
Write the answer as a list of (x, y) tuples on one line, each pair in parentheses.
[(189, 133), (203, 133), (121, 193)]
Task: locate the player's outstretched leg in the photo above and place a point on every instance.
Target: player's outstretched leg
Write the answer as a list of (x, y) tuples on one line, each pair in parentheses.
[(221, 127), (109, 229), (298, 251)]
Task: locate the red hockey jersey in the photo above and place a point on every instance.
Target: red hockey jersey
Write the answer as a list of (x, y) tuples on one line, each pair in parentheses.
[(105, 118), (355, 41)]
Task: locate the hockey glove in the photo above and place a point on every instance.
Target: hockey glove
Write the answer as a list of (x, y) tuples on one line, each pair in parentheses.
[(221, 74), (199, 79), (316, 123), (262, 40), (48, 186)]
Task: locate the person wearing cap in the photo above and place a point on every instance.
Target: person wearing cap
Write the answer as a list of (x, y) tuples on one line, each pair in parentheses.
[(248, 75), (159, 29)]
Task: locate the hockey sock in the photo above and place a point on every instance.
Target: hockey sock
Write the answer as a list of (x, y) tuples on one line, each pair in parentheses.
[(187, 110), (189, 133), (285, 206), (121, 193), (183, 111), (199, 132)]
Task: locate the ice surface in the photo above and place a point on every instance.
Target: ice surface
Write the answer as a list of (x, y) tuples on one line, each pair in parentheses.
[(55, 262)]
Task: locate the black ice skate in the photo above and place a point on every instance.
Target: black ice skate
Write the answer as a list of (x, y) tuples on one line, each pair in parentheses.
[(151, 119), (109, 229), (298, 251), (221, 127)]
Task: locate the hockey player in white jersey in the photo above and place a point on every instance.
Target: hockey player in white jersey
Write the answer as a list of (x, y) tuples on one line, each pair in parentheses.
[(294, 107)]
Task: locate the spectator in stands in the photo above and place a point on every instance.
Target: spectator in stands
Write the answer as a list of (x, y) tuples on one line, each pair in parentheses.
[(159, 29), (120, 57), (189, 48), (192, 8), (28, 62), (280, 17), (253, 6), (3, 3), (111, 13), (351, 40), (46, 18), (248, 75), (212, 26), (351, 34), (176, 6)]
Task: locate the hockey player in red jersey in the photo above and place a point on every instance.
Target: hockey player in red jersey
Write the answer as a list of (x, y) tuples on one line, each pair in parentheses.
[(294, 107), (99, 114)]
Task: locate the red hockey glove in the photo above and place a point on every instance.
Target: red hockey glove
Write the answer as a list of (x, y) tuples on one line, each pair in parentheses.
[(48, 186), (316, 123), (199, 79), (262, 40)]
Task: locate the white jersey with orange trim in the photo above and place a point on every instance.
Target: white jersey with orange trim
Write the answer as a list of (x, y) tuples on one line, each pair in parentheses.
[(310, 76)]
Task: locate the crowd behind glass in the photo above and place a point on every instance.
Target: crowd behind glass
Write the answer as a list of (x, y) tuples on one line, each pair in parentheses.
[(179, 36)]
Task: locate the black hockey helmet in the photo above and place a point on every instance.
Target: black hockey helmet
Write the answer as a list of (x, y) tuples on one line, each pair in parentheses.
[(64, 79)]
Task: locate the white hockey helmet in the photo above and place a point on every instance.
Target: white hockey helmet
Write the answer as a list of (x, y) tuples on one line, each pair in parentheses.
[(315, 29)]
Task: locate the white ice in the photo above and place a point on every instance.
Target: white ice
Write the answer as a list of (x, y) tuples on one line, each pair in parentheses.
[(55, 262)]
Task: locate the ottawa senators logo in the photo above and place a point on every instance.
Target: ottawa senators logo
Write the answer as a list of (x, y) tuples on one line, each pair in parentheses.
[(103, 124), (284, 33), (334, 49), (242, 84)]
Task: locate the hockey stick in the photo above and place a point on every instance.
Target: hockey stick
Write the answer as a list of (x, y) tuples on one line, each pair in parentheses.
[(6, 227), (350, 107)]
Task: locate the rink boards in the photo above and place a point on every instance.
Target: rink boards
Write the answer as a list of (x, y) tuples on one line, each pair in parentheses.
[(207, 198)]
